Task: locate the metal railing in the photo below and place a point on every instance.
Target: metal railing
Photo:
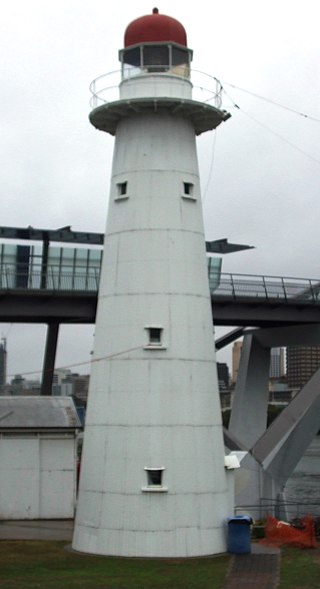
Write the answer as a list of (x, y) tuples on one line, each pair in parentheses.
[(268, 288), (293, 509), (205, 88), (55, 278), (237, 287)]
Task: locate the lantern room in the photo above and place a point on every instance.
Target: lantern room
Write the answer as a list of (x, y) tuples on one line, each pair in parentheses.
[(155, 43)]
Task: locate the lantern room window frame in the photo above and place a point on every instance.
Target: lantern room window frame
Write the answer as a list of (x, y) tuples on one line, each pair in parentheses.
[(141, 59)]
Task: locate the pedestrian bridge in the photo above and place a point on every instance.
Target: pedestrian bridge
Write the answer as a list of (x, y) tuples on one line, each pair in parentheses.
[(67, 293), (51, 276)]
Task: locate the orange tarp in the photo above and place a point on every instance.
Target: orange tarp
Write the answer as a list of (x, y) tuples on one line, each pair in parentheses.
[(280, 533)]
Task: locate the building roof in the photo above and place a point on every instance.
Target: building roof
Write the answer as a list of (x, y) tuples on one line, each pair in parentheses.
[(24, 412), (155, 28)]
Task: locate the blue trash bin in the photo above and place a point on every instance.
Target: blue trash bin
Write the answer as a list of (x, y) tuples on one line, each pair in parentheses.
[(239, 534)]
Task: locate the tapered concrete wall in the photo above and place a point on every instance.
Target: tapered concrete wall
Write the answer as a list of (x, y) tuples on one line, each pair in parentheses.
[(153, 406)]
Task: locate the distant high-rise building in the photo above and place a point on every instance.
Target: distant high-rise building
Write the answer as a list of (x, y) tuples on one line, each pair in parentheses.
[(236, 355), (61, 374), (224, 385), (67, 383), (302, 363), (81, 385), (20, 386), (223, 376), (3, 363), (277, 364)]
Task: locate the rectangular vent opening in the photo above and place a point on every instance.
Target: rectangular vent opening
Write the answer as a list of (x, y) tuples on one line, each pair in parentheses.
[(155, 334), (122, 188), (154, 480), (154, 477), (188, 188)]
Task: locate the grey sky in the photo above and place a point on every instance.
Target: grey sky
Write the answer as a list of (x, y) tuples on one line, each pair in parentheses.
[(55, 166)]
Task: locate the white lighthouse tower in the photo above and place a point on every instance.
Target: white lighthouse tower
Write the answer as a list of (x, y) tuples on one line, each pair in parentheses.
[(153, 481)]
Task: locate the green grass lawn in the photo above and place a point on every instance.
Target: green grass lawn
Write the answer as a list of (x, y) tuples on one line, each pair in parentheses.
[(300, 568), (48, 565)]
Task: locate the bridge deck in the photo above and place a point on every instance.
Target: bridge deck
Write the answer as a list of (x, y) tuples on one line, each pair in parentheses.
[(237, 299)]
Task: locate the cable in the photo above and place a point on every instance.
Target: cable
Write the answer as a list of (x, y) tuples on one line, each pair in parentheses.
[(78, 363), (311, 157), (297, 112), (211, 166), (308, 155)]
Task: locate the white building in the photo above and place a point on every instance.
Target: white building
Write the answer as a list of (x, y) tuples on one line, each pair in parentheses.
[(37, 457), (153, 480)]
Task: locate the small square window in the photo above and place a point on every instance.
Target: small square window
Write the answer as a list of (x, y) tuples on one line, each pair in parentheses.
[(122, 188), (155, 336), (188, 188), (188, 191), (154, 480), (154, 477)]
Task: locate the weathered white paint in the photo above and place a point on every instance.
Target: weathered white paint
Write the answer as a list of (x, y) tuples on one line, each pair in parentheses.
[(37, 476), (165, 85), (159, 406)]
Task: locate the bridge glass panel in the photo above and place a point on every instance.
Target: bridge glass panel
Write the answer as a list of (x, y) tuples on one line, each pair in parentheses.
[(94, 267), (214, 272), (35, 266), (8, 257), (73, 268)]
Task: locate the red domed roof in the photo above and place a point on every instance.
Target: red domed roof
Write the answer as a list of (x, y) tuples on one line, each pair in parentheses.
[(154, 28)]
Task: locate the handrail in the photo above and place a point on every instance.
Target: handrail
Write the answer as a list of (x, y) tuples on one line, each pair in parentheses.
[(294, 509), (270, 288), (104, 91), (236, 287)]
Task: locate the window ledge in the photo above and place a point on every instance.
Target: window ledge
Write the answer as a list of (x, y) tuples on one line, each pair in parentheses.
[(121, 197), (154, 347), (154, 489), (189, 197)]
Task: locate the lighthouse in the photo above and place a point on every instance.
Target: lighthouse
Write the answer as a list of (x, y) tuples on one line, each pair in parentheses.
[(153, 480)]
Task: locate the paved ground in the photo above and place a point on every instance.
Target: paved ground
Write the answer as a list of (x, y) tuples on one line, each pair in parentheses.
[(258, 570)]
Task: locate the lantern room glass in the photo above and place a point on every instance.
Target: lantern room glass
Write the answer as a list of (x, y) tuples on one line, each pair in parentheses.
[(148, 58)]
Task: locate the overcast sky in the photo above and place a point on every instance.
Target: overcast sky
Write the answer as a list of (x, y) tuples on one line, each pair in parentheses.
[(260, 172)]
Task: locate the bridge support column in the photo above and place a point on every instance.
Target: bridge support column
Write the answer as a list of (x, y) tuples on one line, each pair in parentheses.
[(279, 450), (248, 419), (273, 453), (49, 358)]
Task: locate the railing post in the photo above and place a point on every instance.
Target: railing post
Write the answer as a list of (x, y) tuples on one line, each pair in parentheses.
[(52, 278), (232, 285), (312, 292), (59, 277), (284, 289), (97, 277), (44, 263), (265, 287)]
